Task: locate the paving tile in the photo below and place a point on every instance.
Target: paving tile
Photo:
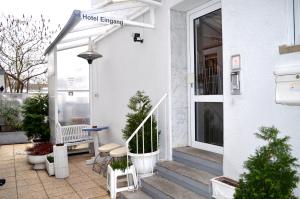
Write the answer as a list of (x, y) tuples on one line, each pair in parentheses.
[(55, 184), (67, 196), (10, 193), (33, 195), (59, 191), (77, 179), (92, 193), (22, 190), (86, 185), (7, 172), (27, 182)]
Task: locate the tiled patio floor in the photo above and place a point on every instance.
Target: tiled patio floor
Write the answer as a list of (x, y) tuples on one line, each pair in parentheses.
[(23, 182)]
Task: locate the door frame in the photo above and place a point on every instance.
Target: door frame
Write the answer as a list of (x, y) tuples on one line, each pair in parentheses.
[(191, 15)]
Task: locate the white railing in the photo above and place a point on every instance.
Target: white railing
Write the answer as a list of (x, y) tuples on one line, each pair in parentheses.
[(154, 112)]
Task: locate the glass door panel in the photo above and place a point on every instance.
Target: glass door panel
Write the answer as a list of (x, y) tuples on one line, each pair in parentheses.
[(209, 123), (208, 54), (207, 90)]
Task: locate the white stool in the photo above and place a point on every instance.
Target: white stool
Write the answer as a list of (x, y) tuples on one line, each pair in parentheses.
[(104, 151), (112, 180)]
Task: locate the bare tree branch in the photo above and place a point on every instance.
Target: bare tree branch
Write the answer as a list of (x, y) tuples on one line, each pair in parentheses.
[(22, 41)]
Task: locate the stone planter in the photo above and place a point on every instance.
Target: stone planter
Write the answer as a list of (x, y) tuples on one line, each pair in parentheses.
[(38, 161), (144, 163), (223, 188), (49, 167)]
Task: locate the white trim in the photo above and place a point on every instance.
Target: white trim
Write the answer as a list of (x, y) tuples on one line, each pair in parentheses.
[(151, 2), (207, 98), (297, 21), (205, 7), (76, 45), (191, 15)]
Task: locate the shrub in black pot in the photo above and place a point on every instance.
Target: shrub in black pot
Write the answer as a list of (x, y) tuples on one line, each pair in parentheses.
[(35, 113)]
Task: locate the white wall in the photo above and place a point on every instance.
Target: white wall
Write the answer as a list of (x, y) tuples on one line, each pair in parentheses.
[(129, 66), (254, 29)]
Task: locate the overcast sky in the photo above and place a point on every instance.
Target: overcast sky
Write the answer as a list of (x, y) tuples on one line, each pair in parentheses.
[(58, 11)]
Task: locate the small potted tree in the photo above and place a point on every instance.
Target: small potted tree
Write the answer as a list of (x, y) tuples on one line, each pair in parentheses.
[(50, 165), (38, 153), (144, 161), (35, 118), (272, 171)]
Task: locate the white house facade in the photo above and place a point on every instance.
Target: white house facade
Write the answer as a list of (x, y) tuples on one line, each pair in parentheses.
[(215, 60)]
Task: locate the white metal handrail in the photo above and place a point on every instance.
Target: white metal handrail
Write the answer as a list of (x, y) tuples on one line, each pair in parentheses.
[(141, 127)]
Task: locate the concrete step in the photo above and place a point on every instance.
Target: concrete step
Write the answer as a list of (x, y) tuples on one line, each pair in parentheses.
[(134, 195), (161, 188), (199, 159), (190, 178)]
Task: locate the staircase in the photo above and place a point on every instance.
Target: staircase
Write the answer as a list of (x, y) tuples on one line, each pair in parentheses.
[(187, 177)]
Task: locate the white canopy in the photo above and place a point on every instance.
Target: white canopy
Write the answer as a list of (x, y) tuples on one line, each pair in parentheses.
[(105, 18)]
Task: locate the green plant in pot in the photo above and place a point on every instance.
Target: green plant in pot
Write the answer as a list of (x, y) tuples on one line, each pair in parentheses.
[(120, 164), (50, 165), (35, 122), (140, 106), (272, 171)]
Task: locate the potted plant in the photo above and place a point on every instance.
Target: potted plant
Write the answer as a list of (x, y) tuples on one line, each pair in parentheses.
[(50, 165), (140, 106), (272, 171), (38, 153), (223, 187), (35, 118)]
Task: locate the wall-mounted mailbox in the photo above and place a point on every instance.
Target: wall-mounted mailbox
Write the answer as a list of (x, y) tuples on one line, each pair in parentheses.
[(287, 85)]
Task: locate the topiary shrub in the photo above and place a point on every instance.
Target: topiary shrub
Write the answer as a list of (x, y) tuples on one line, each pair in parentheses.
[(140, 106), (272, 170), (35, 117)]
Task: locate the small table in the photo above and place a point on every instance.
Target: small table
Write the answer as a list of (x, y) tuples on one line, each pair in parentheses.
[(94, 132)]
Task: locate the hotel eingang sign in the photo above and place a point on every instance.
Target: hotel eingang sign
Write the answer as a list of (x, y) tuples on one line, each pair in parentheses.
[(102, 19)]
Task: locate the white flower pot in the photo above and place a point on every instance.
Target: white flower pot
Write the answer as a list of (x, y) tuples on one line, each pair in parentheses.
[(144, 163), (38, 161), (50, 168), (222, 187)]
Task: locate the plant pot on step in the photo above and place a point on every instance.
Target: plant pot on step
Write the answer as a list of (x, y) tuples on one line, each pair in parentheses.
[(144, 163), (142, 134), (50, 165), (223, 187)]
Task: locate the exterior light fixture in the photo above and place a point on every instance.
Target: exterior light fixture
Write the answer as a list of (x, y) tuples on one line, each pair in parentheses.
[(137, 37), (90, 54)]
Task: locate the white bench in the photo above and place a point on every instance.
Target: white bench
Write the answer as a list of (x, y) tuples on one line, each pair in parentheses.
[(72, 134)]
